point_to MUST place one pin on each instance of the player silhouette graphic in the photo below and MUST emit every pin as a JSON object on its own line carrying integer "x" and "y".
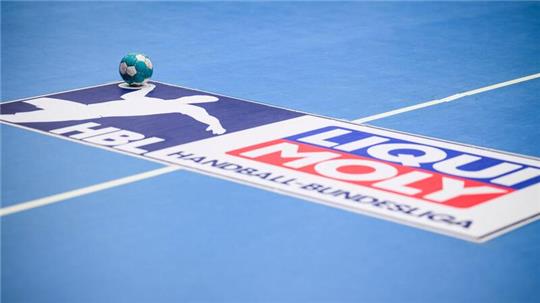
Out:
{"x": 135, "y": 103}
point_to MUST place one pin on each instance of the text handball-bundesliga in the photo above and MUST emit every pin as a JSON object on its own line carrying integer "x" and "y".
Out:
{"x": 135, "y": 69}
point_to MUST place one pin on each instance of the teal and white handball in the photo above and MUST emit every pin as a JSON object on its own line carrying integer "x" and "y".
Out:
{"x": 136, "y": 69}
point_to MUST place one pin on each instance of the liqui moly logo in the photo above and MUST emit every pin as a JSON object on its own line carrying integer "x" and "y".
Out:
{"x": 427, "y": 172}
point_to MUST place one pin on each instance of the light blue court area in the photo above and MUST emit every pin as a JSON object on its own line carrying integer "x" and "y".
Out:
{"x": 187, "y": 237}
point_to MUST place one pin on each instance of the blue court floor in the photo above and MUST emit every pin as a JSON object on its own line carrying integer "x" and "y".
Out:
{"x": 186, "y": 237}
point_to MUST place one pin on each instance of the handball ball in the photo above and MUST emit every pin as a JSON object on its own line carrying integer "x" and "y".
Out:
{"x": 136, "y": 69}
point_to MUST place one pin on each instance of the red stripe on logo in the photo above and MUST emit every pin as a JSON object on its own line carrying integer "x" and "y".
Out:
{"x": 381, "y": 175}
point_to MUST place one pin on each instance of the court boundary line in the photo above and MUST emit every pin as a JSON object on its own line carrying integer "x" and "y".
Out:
{"x": 174, "y": 167}
{"x": 447, "y": 99}
{"x": 85, "y": 190}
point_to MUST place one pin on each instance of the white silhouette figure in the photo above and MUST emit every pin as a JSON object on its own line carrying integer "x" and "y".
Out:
{"x": 134, "y": 103}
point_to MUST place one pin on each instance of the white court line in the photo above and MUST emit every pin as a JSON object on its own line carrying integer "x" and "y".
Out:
{"x": 447, "y": 99}
{"x": 85, "y": 190}
{"x": 164, "y": 170}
